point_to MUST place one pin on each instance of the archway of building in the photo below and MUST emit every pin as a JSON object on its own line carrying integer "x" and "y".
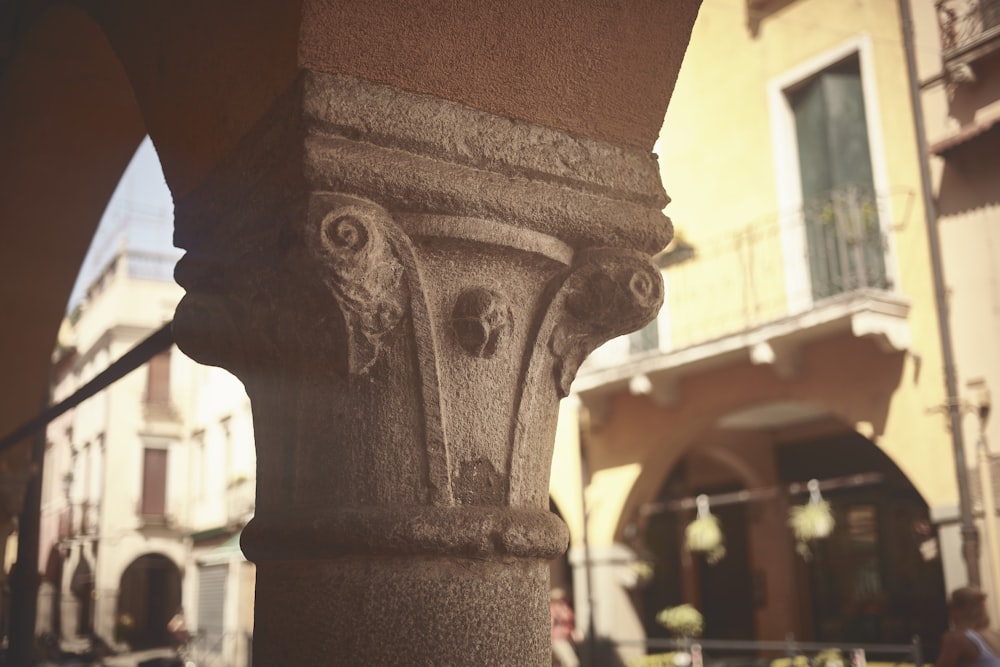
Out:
{"x": 50, "y": 593}
{"x": 149, "y": 595}
{"x": 876, "y": 579}
{"x": 81, "y": 586}
{"x": 69, "y": 124}
{"x": 76, "y": 99}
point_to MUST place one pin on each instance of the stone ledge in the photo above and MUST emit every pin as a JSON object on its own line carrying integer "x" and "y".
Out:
{"x": 878, "y": 315}
{"x": 417, "y": 154}
{"x": 447, "y": 131}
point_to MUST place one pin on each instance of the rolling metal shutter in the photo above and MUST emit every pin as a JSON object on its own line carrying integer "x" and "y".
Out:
{"x": 211, "y": 606}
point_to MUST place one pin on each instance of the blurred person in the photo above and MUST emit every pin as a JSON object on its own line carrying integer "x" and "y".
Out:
{"x": 970, "y": 642}
{"x": 177, "y": 627}
{"x": 564, "y": 632}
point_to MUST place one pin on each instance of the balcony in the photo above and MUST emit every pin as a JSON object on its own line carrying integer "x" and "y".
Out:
{"x": 969, "y": 31}
{"x": 759, "y": 292}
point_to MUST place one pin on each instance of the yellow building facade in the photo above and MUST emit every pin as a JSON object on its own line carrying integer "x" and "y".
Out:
{"x": 798, "y": 341}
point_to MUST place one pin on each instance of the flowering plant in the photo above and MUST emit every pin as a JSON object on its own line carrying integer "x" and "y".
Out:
{"x": 704, "y": 535}
{"x": 812, "y": 521}
{"x": 682, "y": 621}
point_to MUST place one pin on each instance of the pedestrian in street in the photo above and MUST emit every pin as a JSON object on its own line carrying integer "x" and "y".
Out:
{"x": 970, "y": 642}
{"x": 177, "y": 627}
{"x": 563, "y": 629}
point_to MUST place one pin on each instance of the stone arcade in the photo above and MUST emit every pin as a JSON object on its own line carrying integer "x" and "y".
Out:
{"x": 405, "y": 228}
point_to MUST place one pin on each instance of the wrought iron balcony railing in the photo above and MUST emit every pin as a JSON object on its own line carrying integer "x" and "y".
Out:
{"x": 771, "y": 270}
{"x": 967, "y": 25}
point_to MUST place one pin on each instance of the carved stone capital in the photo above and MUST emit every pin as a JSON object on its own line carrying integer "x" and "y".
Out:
{"x": 415, "y": 282}
{"x": 407, "y": 287}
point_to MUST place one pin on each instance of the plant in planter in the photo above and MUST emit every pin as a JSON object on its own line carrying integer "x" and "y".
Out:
{"x": 830, "y": 657}
{"x": 704, "y": 535}
{"x": 812, "y": 521}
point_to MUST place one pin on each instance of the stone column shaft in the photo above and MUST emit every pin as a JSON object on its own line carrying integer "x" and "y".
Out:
{"x": 406, "y": 287}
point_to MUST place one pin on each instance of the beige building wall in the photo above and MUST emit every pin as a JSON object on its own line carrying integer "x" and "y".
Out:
{"x": 960, "y": 95}
{"x": 210, "y": 477}
{"x": 729, "y": 131}
{"x": 729, "y": 161}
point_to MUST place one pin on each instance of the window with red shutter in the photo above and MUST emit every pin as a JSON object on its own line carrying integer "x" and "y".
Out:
{"x": 154, "y": 482}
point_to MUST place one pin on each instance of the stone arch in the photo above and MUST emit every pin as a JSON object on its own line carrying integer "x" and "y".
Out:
{"x": 686, "y": 434}
{"x": 69, "y": 124}
{"x": 149, "y": 594}
{"x": 50, "y": 593}
{"x": 768, "y": 446}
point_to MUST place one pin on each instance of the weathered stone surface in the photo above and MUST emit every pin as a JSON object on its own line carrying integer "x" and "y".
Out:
{"x": 407, "y": 287}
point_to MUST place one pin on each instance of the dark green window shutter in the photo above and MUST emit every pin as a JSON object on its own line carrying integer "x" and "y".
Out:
{"x": 843, "y": 235}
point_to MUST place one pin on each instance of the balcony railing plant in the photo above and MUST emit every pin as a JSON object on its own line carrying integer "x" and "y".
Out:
{"x": 966, "y": 24}
{"x": 845, "y": 242}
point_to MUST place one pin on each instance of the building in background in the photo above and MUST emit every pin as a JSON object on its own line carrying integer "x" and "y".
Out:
{"x": 798, "y": 341}
{"x": 146, "y": 485}
{"x": 958, "y": 69}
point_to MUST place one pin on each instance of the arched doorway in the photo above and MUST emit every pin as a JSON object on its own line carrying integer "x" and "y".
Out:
{"x": 50, "y": 593}
{"x": 876, "y": 579}
{"x": 81, "y": 585}
{"x": 149, "y": 594}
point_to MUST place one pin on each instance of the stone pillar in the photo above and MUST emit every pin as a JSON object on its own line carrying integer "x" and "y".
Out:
{"x": 407, "y": 286}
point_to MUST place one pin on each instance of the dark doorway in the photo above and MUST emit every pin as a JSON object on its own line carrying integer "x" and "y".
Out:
{"x": 81, "y": 585}
{"x": 878, "y": 577}
{"x": 149, "y": 596}
{"x": 663, "y": 542}
{"x": 54, "y": 577}
{"x": 726, "y": 589}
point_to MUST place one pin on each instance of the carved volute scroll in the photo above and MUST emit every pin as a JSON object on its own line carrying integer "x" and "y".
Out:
{"x": 609, "y": 293}
{"x": 365, "y": 274}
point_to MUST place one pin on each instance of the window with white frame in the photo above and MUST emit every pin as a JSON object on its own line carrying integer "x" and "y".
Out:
{"x": 840, "y": 213}
{"x": 830, "y": 173}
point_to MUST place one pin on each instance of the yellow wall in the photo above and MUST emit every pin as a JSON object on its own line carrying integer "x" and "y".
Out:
{"x": 719, "y": 164}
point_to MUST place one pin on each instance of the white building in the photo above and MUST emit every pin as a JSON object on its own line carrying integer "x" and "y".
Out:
{"x": 147, "y": 484}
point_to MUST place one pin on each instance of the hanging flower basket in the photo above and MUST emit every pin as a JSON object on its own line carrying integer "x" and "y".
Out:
{"x": 704, "y": 535}
{"x": 683, "y": 621}
{"x": 812, "y": 521}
